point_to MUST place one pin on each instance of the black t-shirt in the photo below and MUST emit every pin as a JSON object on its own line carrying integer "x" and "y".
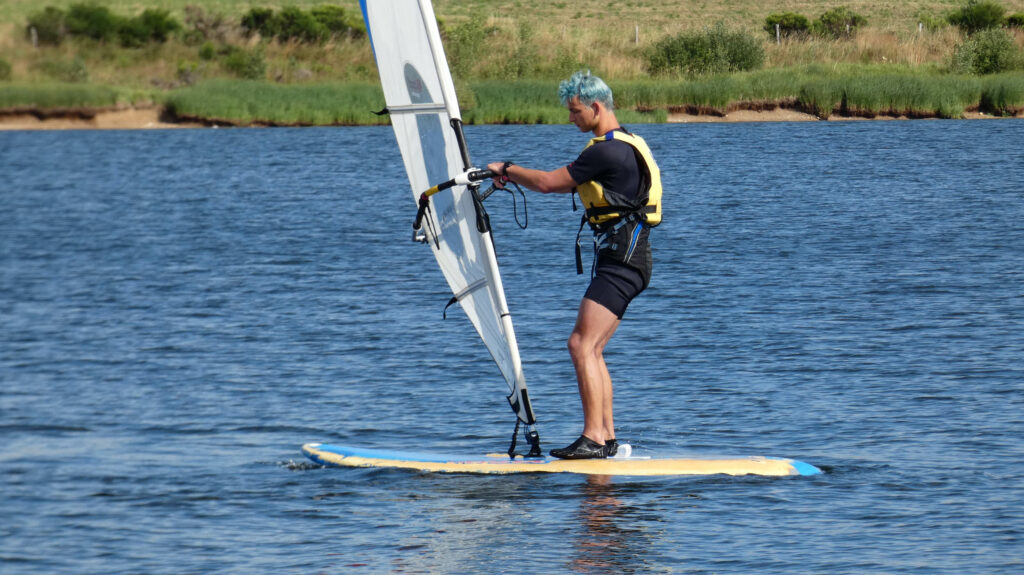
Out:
{"x": 613, "y": 164}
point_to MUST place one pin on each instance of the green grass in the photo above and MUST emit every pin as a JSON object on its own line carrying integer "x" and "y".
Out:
{"x": 850, "y": 90}
{"x": 59, "y": 95}
{"x": 1003, "y": 93}
{"x": 530, "y": 102}
{"x": 256, "y": 102}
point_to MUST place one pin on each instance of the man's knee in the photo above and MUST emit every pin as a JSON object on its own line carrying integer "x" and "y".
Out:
{"x": 575, "y": 344}
{"x": 581, "y": 347}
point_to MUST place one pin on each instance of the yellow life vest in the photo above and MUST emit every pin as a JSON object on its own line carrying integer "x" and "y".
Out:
{"x": 599, "y": 210}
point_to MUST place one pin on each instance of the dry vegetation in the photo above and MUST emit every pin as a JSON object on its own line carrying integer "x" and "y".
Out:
{"x": 608, "y": 37}
{"x": 522, "y": 40}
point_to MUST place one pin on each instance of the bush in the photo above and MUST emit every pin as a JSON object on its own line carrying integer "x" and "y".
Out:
{"x": 1015, "y": 20}
{"x": 977, "y": 16}
{"x": 790, "y": 24}
{"x": 524, "y": 59}
{"x": 5, "y": 70}
{"x": 337, "y": 21}
{"x": 294, "y": 24}
{"x": 464, "y": 45}
{"x": 49, "y": 25}
{"x": 207, "y": 51}
{"x": 246, "y": 64}
{"x": 711, "y": 51}
{"x": 158, "y": 23}
{"x": 153, "y": 25}
{"x": 838, "y": 23}
{"x": 92, "y": 21}
{"x": 987, "y": 52}
{"x": 203, "y": 25}
{"x": 261, "y": 21}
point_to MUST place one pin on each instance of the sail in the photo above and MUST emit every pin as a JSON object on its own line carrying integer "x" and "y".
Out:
{"x": 424, "y": 112}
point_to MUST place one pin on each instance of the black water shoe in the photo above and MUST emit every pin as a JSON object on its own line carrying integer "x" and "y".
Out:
{"x": 582, "y": 448}
{"x": 611, "y": 447}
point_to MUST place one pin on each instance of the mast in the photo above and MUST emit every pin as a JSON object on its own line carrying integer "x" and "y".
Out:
{"x": 414, "y": 72}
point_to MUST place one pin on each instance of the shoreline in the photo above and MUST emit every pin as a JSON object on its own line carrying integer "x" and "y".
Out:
{"x": 155, "y": 118}
{"x": 130, "y": 118}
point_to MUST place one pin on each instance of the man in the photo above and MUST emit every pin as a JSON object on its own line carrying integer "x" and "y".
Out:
{"x": 620, "y": 187}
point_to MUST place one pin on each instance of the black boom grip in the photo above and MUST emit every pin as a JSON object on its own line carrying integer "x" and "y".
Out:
{"x": 424, "y": 204}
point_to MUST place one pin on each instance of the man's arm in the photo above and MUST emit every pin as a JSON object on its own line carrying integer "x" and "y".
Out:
{"x": 556, "y": 182}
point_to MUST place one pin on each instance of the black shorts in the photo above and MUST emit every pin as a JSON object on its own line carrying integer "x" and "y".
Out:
{"x": 614, "y": 286}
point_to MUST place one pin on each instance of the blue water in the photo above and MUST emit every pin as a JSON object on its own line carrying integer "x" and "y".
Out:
{"x": 181, "y": 310}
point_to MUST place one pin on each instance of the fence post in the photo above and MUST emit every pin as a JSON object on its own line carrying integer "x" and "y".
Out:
{"x": 35, "y": 37}
{"x": 778, "y": 34}
{"x": 636, "y": 33}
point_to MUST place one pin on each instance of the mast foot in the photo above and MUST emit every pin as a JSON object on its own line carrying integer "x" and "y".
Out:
{"x": 532, "y": 437}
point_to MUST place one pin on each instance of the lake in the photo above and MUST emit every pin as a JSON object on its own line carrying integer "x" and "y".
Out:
{"x": 181, "y": 310}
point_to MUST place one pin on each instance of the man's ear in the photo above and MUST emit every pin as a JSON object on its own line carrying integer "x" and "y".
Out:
{"x": 597, "y": 109}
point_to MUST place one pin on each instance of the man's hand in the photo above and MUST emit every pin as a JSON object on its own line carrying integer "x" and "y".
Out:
{"x": 499, "y": 179}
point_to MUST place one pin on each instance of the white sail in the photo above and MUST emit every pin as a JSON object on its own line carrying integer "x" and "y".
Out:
{"x": 421, "y": 101}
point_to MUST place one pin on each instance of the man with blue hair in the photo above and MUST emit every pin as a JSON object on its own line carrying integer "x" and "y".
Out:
{"x": 619, "y": 184}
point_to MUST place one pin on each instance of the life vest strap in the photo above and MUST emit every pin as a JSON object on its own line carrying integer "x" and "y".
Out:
{"x": 579, "y": 252}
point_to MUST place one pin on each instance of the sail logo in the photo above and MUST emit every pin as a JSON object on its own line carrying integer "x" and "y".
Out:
{"x": 418, "y": 93}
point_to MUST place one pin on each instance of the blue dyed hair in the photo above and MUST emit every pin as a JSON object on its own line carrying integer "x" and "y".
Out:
{"x": 587, "y": 88}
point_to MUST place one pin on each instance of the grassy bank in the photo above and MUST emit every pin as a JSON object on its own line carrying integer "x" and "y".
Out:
{"x": 855, "y": 91}
{"x": 59, "y": 96}
{"x": 851, "y": 91}
{"x": 245, "y": 102}
{"x": 507, "y": 57}
{"x": 865, "y": 91}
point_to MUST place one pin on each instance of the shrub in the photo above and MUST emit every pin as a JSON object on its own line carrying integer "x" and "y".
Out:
{"x": 153, "y": 25}
{"x": 789, "y": 23}
{"x": 261, "y": 21}
{"x": 977, "y": 16}
{"x": 524, "y": 60}
{"x": 290, "y": 23}
{"x": 464, "y": 45}
{"x": 1015, "y": 20}
{"x": 49, "y": 26}
{"x": 132, "y": 33}
{"x": 294, "y": 24}
{"x": 159, "y": 24}
{"x": 246, "y": 64}
{"x": 207, "y": 51}
{"x": 986, "y": 52}
{"x": 92, "y": 21}
{"x": 5, "y": 70}
{"x": 337, "y": 21}
{"x": 711, "y": 51}
{"x": 838, "y": 23}
{"x": 203, "y": 25}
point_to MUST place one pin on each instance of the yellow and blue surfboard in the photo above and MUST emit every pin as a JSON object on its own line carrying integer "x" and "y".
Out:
{"x": 338, "y": 455}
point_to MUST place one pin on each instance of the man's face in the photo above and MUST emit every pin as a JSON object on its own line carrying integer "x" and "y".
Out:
{"x": 585, "y": 117}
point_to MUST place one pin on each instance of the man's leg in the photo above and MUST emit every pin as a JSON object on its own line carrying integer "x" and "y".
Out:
{"x": 595, "y": 325}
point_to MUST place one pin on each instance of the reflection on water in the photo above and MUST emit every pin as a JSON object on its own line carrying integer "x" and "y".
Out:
{"x": 605, "y": 544}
